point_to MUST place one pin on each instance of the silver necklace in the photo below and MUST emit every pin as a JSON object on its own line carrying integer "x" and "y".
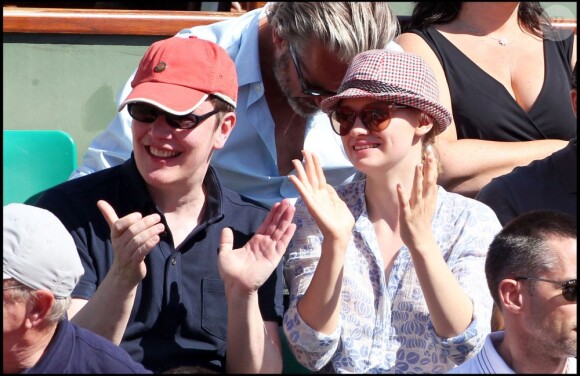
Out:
{"x": 503, "y": 41}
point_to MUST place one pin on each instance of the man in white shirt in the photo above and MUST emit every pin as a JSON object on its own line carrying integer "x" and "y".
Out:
{"x": 288, "y": 56}
{"x": 531, "y": 273}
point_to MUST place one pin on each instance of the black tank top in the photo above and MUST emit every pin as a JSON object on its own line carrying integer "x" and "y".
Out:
{"x": 484, "y": 109}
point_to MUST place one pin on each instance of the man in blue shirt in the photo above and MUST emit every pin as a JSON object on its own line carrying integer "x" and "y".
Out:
{"x": 149, "y": 230}
{"x": 41, "y": 267}
{"x": 288, "y": 56}
{"x": 531, "y": 271}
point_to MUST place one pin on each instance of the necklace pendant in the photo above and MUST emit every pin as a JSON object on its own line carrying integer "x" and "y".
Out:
{"x": 502, "y": 41}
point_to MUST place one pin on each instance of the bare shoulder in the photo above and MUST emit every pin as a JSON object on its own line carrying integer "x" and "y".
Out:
{"x": 411, "y": 42}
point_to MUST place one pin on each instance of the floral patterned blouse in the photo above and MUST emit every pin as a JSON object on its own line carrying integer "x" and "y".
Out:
{"x": 385, "y": 326}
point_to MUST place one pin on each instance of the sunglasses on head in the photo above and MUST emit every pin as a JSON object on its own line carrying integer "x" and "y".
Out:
{"x": 305, "y": 86}
{"x": 376, "y": 117}
{"x": 568, "y": 287}
{"x": 147, "y": 113}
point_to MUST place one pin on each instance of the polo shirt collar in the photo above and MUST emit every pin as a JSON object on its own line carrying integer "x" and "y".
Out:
{"x": 142, "y": 199}
{"x": 495, "y": 360}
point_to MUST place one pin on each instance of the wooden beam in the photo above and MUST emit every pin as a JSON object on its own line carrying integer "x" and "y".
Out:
{"x": 127, "y": 22}
{"x": 565, "y": 23}
{"x": 105, "y": 21}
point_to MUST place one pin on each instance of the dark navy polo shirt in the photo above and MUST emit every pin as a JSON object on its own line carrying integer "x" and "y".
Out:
{"x": 549, "y": 183}
{"x": 75, "y": 350}
{"x": 180, "y": 312}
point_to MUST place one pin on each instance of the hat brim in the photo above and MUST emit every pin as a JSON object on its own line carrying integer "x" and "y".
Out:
{"x": 175, "y": 99}
{"x": 440, "y": 115}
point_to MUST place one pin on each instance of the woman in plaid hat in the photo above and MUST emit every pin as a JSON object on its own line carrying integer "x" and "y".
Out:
{"x": 386, "y": 274}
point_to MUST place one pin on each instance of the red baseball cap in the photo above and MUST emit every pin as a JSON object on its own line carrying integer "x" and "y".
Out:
{"x": 177, "y": 74}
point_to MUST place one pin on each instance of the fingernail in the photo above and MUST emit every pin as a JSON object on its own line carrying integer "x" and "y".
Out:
{"x": 430, "y": 154}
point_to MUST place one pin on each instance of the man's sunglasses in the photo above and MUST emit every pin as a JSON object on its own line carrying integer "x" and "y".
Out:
{"x": 305, "y": 86}
{"x": 375, "y": 118}
{"x": 568, "y": 287}
{"x": 147, "y": 113}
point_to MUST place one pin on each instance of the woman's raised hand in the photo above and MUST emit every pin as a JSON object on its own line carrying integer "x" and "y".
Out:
{"x": 416, "y": 212}
{"x": 331, "y": 214}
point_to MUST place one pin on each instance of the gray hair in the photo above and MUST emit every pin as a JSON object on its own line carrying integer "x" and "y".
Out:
{"x": 345, "y": 28}
{"x": 520, "y": 249}
{"x": 57, "y": 311}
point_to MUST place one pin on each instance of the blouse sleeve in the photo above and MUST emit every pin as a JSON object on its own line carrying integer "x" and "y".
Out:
{"x": 310, "y": 347}
{"x": 468, "y": 241}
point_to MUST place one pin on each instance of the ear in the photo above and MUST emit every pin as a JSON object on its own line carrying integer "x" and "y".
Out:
{"x": 277, "y": 39}
{"x": 425, "y": 125}
{"x": 510, "y": 296}
{"x": 224, "y": 130}
{"x": 39, "y": 307}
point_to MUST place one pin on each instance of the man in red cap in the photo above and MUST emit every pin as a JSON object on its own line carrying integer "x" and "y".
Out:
{"x": 174, "y": 262}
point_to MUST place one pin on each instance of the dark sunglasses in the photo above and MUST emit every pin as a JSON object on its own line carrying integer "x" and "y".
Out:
{"x": 375, "y": 118}
{"x": 304, "y": 86}
{"x": 568, "y": 287}
{"x": 147, "y": 113}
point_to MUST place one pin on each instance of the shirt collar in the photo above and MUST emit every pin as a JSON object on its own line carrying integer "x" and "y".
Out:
{"x": 490, "y": 352}
{"x": 142, "y": 199}
{"x": 248, "y": 60}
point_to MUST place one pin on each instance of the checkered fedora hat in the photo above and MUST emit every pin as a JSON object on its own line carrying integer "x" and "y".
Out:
{"x": 398, "y": 77}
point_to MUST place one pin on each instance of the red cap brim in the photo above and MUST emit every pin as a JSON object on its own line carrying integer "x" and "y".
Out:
{"x": 175, "y": 99}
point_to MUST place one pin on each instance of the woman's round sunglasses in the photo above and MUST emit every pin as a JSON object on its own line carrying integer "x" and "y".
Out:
{"x": 376, "y": 117}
